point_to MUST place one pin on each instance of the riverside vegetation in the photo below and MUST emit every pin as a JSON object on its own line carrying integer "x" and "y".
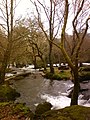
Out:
{"x": 15, "y": 111}
{"x": 84, "y": 74}
{"x": 20, "y": 111}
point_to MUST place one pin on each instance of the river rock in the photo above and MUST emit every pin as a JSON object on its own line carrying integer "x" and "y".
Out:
{"x": 75, "y": 112}
{"x": 7, "y": 93}
{"x": 42, "y": 108}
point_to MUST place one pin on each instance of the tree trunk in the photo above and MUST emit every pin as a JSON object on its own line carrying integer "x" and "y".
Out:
{"x": 2, "y": 73}
{"x": 44, "y": 63}
{"x": 44, "y": 66}
{"x": 34, "y": 62}
{"x": 4, "y": 66}
{"x": 9, "y": 38}
{"x": 74, "y": 98}
{"x": 50, "y": 58}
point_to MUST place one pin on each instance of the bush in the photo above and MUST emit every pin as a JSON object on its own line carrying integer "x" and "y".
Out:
{"x": 48, "y": 75}
{"x": 20, "y": 107}
{"x": 58, "y": 76}
{"x": 15, "y": 111}
{"x": 85, "y": 69}
{"x": 84, "y": 73}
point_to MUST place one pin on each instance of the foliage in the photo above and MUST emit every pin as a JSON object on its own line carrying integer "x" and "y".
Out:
{"x": 84, "y": 73}
{"x": 15, "y": 111}
{"x": 84, "y": 69}
{"x": 62, "y": 75}
{"x": 4, "y": 103}
{"x": 20, "y": 107}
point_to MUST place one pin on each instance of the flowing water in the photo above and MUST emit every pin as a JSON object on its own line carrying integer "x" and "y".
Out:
{"x": 35, "y": 89}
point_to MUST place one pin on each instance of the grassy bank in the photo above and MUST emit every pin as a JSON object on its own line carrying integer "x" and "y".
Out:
{"x": 58, "y": 75}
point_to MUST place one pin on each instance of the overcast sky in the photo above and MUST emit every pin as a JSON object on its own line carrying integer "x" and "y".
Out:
{"x": 23, "y": 6}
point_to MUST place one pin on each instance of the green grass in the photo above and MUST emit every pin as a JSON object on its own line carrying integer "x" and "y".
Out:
{"x": 58, "y": 75}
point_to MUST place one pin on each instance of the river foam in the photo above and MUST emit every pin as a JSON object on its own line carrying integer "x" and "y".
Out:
{"x": 62, "y": 101}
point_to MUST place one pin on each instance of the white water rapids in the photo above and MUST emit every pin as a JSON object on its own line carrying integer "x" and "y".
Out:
{"x": 35, "y": 89}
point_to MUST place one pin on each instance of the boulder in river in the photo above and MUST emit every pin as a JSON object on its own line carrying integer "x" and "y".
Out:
{"x": 42, "y": 108}
{"x": 75, "y": 112}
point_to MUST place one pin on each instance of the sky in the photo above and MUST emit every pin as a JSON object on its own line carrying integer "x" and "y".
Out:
{"x": 25, "y": 7}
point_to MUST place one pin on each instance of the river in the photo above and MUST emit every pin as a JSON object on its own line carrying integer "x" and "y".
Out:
{"x": 35, "y": 89}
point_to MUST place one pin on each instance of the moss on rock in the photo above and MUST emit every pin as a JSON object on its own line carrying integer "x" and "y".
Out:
{"x": 68, "y": 113}
{"x": 42, "y": 108}
{"x": 7, "y": 93}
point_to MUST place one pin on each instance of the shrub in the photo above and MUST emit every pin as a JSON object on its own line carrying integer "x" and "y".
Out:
{"x": 20, "y": 107}
{"x": 58, "y": 76}
{"x": 84, "y": 73}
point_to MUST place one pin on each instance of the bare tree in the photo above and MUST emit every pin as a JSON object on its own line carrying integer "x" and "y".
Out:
{"x": 79, "y": 23}
{"x": 74, "y": 63}
{"x": 19, "y": 44}
{"x": 51, "y": 13}
{"x": 37, "y": 42}
{"x": 7, "y": 16}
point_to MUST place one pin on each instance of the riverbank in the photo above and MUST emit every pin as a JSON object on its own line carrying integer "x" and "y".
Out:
{"x": 35, "y": 89}
{"x": 12, "y": 111}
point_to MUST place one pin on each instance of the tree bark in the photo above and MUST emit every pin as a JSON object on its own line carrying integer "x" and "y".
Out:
{"x": 74, "y": 98}
{"x": 50, "y": 58}
{"x": 4, "y": 64}
{"x": 9, "y": 38}
{"x": 34, "y": 62}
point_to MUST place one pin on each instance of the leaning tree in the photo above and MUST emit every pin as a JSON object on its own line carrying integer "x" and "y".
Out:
{"x": 80, "y": 11}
